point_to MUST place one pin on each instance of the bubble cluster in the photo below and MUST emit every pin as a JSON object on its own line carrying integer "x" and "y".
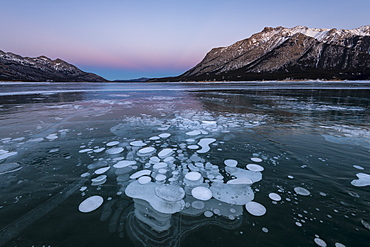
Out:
{"x": 170, "y": 176}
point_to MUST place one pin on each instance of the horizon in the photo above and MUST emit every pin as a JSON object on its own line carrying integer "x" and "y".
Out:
{"x": 165, "y": 39}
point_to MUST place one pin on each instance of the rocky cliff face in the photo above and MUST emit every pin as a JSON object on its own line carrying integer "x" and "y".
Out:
{"x": 17, "y": 68}
{"x": 294, "y": 53}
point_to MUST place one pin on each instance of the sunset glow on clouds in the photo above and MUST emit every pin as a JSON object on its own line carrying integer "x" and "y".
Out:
{"x": 120, "y": 39}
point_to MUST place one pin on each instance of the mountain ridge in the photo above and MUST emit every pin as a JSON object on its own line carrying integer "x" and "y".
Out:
{"x": 14, "y": 67}
{"x": 288, "y": 53}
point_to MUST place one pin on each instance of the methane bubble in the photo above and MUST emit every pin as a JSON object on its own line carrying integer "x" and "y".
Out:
{"x": 90, "y": 204}
{"x": 255, "y": 208}
{"x": 302, "y": 191}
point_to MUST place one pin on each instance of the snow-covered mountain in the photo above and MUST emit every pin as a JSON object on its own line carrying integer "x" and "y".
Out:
{"x": 17, "y": 68}
{"x": 295, "y": 53}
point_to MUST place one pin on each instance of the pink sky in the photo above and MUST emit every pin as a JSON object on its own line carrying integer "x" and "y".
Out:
{"x": 124, "y": 40}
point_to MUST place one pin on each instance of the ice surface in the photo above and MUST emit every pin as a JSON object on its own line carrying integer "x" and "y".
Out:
{"x": 6, "y": 155}
{"x": 54, "y": 150}
{"x": 255, "y": 208}
{"x": 201, "y": 193}
{"x": 349, "y": 135}
{"x": 90, "y": 204}
{"x": 362, "y": 181}
{"x": 9, "y": 167}
{"x": 40, "y": 139}
{"x": 302, "y": 191}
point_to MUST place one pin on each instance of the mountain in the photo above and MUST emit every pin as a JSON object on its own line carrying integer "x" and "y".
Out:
{"x": 142, "y": 79}
{"x": 17, "y": 68}
{"x": 288, "y": 53}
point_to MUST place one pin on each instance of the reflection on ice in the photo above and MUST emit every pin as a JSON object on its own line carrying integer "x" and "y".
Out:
{"x": 349, "y": 135}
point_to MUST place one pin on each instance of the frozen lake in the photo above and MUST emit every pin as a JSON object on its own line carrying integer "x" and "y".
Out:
{"x": 185, "y": 164}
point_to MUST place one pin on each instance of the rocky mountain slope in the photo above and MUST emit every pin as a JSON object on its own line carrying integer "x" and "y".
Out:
{"x": 289, "y": 53}
{"x": 17, "y": 68}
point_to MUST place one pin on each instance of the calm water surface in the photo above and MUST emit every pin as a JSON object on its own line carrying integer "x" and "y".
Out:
{"x": 309, "y": 143}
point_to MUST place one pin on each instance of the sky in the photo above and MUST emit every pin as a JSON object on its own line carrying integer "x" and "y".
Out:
{"x": 120, "y": 39}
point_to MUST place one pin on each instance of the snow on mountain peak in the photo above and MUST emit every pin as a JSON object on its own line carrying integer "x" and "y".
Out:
{"x": 320, "y": 34}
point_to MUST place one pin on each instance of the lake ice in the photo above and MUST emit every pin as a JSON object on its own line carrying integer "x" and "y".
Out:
{"x": 183, "y": 164}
